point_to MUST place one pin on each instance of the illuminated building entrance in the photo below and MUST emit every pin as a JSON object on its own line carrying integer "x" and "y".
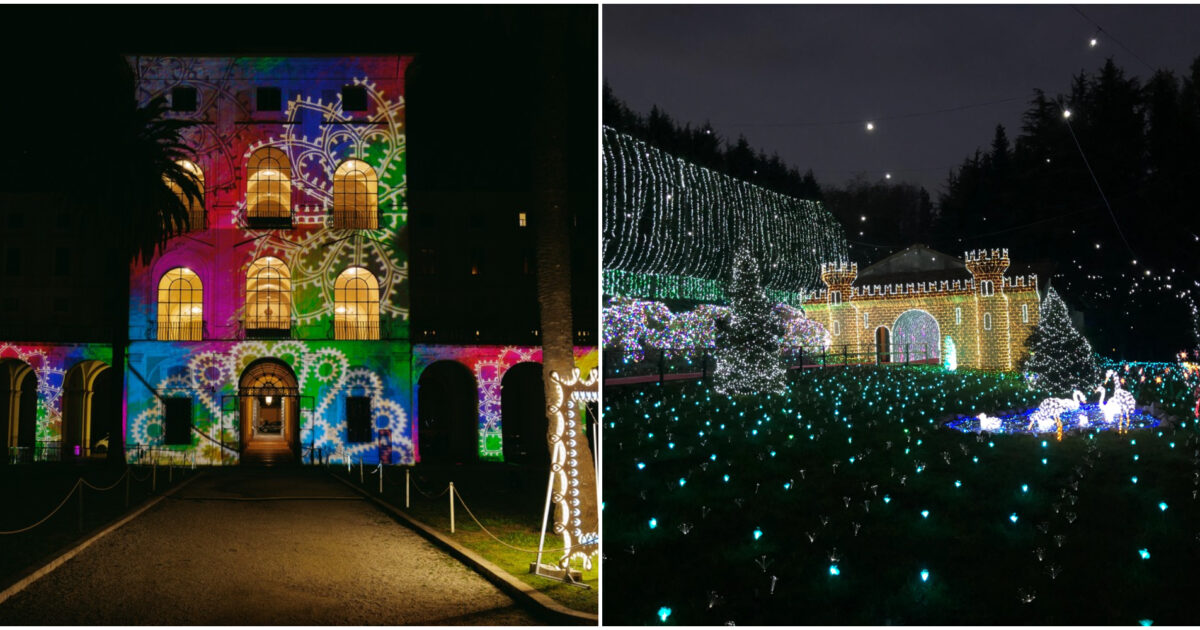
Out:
{"x": 269, "y": 413}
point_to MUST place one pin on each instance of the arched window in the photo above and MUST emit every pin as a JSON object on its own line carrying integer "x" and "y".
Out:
{"x": 269, "y": 189}
{"x": 195, "y": 207}
{"x": 268, "y": 298}
{"x": 355, "y": 196}
{"x": 987, "y": 321}
{"x": 356, "y": 305}
{"x": 986, "y": 288}
{"x": 180, "y": 306}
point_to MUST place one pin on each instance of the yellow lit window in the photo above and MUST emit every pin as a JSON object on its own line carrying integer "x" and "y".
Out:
{"x": 356, "y": 305}
{"x": 268, "y": 298}
{"x": 521, "y": 221}
{"x": 195, "y": 207}
{"x": 180, "y": 306}
{"x": 355, "y": 196}
{"x": 269, "y": 189}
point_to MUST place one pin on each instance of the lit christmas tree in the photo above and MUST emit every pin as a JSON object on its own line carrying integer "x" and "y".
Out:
{"x": 748, "y": 348}
{"x": 1060, "y": 358}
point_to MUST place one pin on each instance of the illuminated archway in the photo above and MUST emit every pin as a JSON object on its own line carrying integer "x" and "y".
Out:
{"x": 355, "y": 196}
{"x": 523, "y": 415}
{"x": 916, "y": 337}
{"x": 269, "y": 406}
{"x": 447, "y": 414}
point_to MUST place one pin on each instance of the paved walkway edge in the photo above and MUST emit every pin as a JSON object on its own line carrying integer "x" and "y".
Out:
{"x": 502, "y": 579}
{"x": 24, "y": 582}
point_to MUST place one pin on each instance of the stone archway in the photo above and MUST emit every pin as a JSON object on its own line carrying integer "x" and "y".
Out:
{"x": 916, "y": 336}
{"x": 86, "y": 409}
{"x": 18, "y": 407}
{"x": 523, "y": 415}
{"x": 269, "y": 413}
{"x": 447, "y": 414}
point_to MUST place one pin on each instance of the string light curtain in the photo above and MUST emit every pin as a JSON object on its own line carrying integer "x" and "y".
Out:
{"x": 268, "y": 298}
{"x": 195, "y": 207}
{"x": 180, "y": 306}
{"x": 355, "y": 196}
{"x": 269, "y": 189}
{"x": 356, "y": 305}
{"x": 663, "y": 215}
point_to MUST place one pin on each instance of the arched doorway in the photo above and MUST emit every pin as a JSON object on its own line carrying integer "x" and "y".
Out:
{"x": 523, "y": 415}
{"x": 18, "y": 399}
{"x": 447, "y": 414}
{"x": 916, "y": 337}
{"x": 86, "y": 409}
{"x": 269, "y": 413}
{"x": 882, "y": 345}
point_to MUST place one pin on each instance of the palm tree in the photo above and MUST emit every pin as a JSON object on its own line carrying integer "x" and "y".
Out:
{"x": 553, "y": 246}
{"x": 127, "y": 197}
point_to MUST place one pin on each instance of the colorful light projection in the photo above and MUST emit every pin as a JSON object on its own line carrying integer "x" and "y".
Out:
{"x": 489, "y": 364}
{"x": 326, "y": 372}
{"x": 314, "y": 136}
{"x": 663, "y": 215}
{"x": 49, "y": 364}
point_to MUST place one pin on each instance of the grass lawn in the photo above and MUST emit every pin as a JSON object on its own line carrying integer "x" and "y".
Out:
{"x": 508, "y": 500}
{"x": 825, "y": 505}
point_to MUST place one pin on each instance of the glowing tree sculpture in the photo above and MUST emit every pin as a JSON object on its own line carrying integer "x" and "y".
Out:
{"x": 1060, "y": 358}
{"x": 748, "y": 349}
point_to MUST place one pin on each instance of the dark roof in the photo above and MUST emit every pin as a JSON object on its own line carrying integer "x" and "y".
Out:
{"x": 916, "y": 263}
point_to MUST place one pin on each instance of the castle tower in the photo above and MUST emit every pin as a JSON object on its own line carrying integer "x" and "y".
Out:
{"x": 993, "y": 329}
{"x": 839, "y": 277}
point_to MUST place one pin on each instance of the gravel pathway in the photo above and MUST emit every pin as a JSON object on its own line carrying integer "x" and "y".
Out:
{"x": 205, "y": 557}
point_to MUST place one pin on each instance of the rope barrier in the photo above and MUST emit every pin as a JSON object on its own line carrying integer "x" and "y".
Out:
{"x": 489, "y": 533}
{"x": 426, "y": 494}
{"x": 329, "y": 498}
{"x": 60, "y": 505}
{"x": 140, "y": 479}
{"x": 99, "y": 489}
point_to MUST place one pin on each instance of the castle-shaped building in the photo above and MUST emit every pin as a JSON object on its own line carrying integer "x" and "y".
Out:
{"x": 908, "y": 306}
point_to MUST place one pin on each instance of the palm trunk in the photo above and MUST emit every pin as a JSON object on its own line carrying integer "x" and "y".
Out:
{"x": 554, "y": 260}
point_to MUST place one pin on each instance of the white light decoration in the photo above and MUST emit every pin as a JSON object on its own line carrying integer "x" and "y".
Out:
{"x": 870, "y": 126}
{"x": 579, "y": 528}
{"x": 696, "y": 232}
{"x": 1060, "y": 359}
{"x": 748, "y": 353}
{"x": 950, "y": 360}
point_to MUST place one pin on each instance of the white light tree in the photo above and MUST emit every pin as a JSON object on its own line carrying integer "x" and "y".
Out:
{"x": 747, "y": 353}
{"x": 1060, "y": 358}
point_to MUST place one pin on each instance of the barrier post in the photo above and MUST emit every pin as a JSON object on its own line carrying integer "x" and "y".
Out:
{"x": 360, "y": 472}
{"x": 154, "y": 476}
{"x": 451, "y": 507}
{"x": 170, "y": 473}
{"x": 406, "y": 475}
{"x": 79, "y": 486}
{"x": 381, "y": 479}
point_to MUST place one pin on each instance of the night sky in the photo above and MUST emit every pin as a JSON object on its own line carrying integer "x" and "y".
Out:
{"x": 803, "y": 80}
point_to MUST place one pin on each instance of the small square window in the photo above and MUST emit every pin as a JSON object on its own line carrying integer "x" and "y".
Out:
{"x": 477, "y": 262}
{"x": 183, "y": 99}
{"x": 268, "y": 99}
{"x": 354, "y": 98}
{"x": 521, "y": 220}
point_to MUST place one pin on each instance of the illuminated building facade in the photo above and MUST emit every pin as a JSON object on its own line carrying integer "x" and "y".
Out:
{"x": 905, "y": 307}
{"x": 278, "y": 328}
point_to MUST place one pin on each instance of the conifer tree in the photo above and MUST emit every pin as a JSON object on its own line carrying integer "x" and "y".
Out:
{"x": 1060, "y": 358}
{"x": 748, "y": 349}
